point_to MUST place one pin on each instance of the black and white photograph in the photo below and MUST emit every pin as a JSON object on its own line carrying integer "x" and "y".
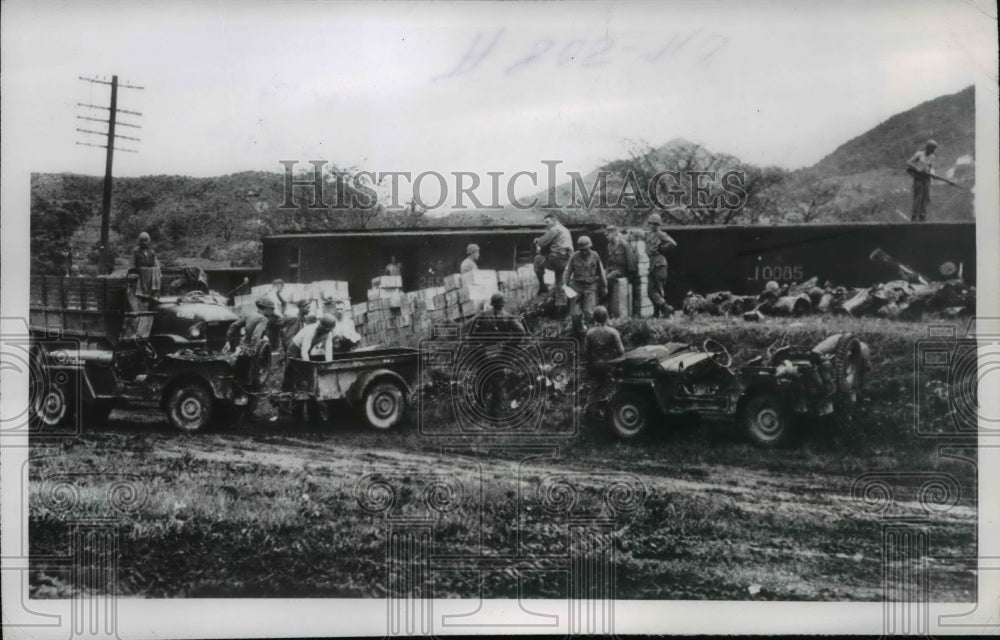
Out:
{"x": 449, "y": 318}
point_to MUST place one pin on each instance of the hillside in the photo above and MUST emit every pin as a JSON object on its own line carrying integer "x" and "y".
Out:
{"x": 951, "y": 120}
{"x": 868, "y": 172}
{"x": 219, "y": 221}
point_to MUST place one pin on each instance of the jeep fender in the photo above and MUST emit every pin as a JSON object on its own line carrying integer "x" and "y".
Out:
{"x": 357, "y": 391}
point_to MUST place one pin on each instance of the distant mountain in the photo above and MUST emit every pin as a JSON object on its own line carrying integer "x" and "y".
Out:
{"x": 868, "y": 172}
{"x": 950, "y": 120}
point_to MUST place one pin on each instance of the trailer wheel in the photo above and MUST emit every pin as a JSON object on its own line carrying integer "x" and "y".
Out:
{"x": 765, "y": 420}
{"x": 189, "y": 407}
{"x": 630, "y": 415}
{"x": 384, "y": 405}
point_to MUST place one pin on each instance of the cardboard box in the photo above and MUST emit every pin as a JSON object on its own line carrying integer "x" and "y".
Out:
{"x": 480, "y": 277}
{"x": 452, "y": 282}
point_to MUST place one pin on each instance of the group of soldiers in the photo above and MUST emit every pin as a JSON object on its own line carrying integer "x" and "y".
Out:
{"x": 601, "y": 344}
{"x": 302, "y": 336}
{"x": 584, "y": 273}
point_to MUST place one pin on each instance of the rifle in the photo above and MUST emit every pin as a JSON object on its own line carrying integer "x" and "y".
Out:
{"x": 915, "y": 173}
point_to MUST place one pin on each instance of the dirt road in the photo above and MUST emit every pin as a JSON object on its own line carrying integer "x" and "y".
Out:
{"x": 689, "y": 520}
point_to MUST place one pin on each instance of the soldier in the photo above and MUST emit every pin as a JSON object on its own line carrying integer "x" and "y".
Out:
{"x": 657, "y": 243}
{"x": 254, "y": 327}
{"x": 921, "y": 167}
{"x": 74, "y": 272}
{"x": 603, "y": 343}
{"x": 495, "y": 321}
{"x": 553, "y": 249}
{"x": 394, "y": 268}
{"x": 495, "y": 355}
{"x": 622, "y": 263}
{"x": 192, "y": 279}
{"x": 345, "y": 333}
{"x": 585, "y": 275}
{"x": 290, "y": 327}
{"x": 254, "y": 340}
{"x": 147, "y": 266}
{"x": 472, "y": 258}
{"x": 315, "y": 341}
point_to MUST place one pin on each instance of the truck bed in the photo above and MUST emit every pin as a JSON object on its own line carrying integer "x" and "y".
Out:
{"x": 89, "y": 307}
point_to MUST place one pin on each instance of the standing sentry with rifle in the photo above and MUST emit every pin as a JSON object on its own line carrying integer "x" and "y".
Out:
{"x": 921, "y": 167}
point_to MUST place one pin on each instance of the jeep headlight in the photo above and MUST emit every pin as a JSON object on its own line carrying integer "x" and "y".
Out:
{"x": 195, "y": 331}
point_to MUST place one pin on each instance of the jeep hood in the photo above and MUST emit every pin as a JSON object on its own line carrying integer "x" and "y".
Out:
{"x": 649, "y": 354}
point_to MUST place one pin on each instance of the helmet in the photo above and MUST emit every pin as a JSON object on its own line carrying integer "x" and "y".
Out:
{"x": 610, "y": 229}
{"x": 497, "y": 300}
{"x": 265, "y": 303}
{"x": 304, "y": 304}
{"x": 654, "y": 219}
{"x": 327, "y": 321}
{"x": 144, "y": 238}
{"x": 772, "y": 287}
{"x": 278, "y": 282}
{"x": 600, "y": 315}
{"x": 584, "y": 242}
{"x": 471, "y": 249}
{"x": 932, "y": 143}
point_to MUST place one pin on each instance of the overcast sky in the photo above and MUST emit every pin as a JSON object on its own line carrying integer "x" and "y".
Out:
{"x": 233, "y": 86}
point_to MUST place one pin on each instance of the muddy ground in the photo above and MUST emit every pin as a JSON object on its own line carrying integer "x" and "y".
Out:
{"x": 276, "y": 508}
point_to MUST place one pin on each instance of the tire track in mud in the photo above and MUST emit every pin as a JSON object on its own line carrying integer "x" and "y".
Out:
{"x": 810, "y": 496}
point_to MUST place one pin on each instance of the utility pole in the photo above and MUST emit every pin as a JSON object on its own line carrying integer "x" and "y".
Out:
{"x": 106, "y": 264}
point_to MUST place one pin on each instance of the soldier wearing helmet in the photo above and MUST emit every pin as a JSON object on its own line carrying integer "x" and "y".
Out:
{"x": 147, "y": 266}
{"x": 471, "y": 259}
{"x": 622, "y": 263}
{"x": 315, "y": 342}
{"x": 553, "y": 250}
{"x": 254, "y": 327}
{"x": 921, "y": 167}
{"x": 496, "y": 334}
{"x": 603, "y": 343}
{"x": 495, "y": 321}
{"x": 585, "y": 275}
{"x": 657, "y": 244}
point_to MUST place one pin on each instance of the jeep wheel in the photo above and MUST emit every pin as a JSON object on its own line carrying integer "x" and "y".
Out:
{"x": 765, "y": 420}
{"x": 850, "y": 368}
{"x": 384, "y": 405}
{"x": 189, "y": 407}
{"x": 629, "y": 413}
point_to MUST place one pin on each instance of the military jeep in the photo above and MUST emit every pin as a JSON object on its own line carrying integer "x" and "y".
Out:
{"x": 766, "y": 396}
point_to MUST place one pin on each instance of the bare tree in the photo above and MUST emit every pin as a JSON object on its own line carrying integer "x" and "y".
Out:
{"x": 686, "y": 184}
